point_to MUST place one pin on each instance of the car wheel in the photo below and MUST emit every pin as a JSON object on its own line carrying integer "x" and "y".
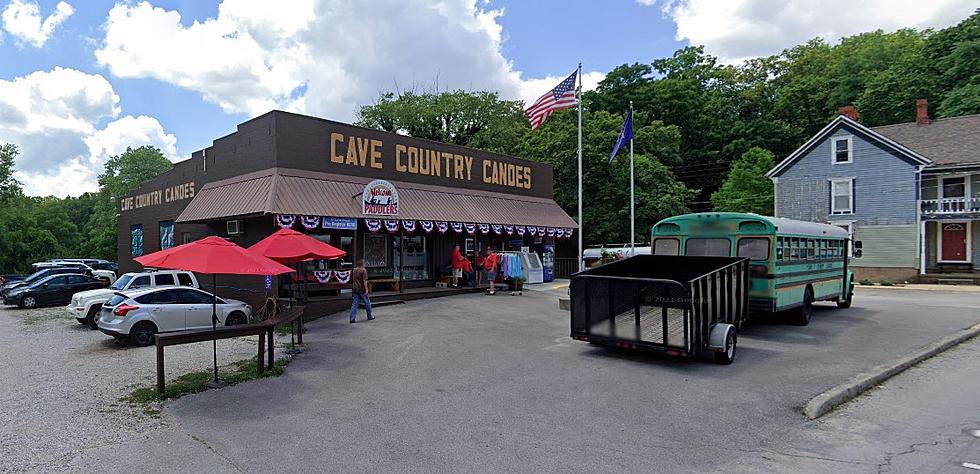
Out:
{"x": 726, "y": 356}
{"x": 28, "y": 302}
{"x": 803, "y": 313}
{"x": 236, "y": 318}
{"x": 92, "y": 319}
{"x": 81, "y": 320}
{"x": 847, "y": 301}
{"x": 142, "y": 333}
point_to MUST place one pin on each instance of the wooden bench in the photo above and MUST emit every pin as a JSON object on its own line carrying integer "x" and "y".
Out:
{"x": 394, "y": 283}
{"x": 264, "y": 329}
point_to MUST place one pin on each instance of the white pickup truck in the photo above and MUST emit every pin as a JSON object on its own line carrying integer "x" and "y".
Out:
{"x": 85, "y": 305}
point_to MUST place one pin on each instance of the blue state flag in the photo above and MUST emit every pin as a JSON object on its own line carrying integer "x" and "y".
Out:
{"x": 624, "y": 137}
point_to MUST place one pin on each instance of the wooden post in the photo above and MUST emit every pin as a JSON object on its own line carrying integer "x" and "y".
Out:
{"x": 299, "y": 337}
{"x": 272, "y": 347}
{"x": 401, "y": 261}
{"x": 161, "y": 376}
{"x": 261, "y": 359}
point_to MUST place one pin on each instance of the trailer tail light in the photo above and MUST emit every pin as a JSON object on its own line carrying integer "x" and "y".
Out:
{"x": 758, "y": 270}
{"x": 582, "y": 338}
{"x": 123, "y": 309}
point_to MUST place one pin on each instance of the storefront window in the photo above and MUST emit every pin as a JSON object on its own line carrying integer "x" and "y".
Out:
{"x": 376, "y": 255}
{"x": 136, "y": 239}
{"x": 166, "y": 235}
{"x": 416, "y": 264}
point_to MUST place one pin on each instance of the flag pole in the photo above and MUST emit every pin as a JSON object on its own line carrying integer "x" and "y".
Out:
{"x": 581, "y": 227}
{"x": 632, "y": 194}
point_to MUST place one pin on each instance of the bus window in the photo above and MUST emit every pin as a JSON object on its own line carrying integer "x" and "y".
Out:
{"x": 809, "y": 248}
{"x": 666, "y": 246}
{"x": 756, "y": 248}
{"x": 709, "y": 247}
{"x": 779, "y": 248}
{"x": 794, "y": 248}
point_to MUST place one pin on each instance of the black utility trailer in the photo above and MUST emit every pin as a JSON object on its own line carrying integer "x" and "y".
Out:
{"x": 678, "y": 305}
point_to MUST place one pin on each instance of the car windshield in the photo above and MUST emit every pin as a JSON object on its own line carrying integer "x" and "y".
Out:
{"x": 34, "y": 276}
{"x": 121, "y": 282}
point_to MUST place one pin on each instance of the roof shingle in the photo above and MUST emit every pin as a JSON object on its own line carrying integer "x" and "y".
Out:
{"x": 948, "y": 141}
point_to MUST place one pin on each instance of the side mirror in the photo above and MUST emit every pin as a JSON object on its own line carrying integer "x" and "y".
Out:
{"x": 857, "y": 244}
{"x": 857, "y": 253}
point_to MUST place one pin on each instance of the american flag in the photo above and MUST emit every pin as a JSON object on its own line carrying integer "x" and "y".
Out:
{"x": 561, "y": 97}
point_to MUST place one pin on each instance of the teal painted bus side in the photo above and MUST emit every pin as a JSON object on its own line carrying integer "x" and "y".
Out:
{"x": 813, "y": 255}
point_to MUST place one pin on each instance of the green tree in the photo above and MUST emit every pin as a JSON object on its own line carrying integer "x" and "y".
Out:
{"x": 963, "y": 100}
{"x": 9, "y": 186}
{"x": 747, "y": 189}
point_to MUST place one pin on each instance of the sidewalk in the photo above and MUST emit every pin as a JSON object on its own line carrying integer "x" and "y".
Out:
{"x": 911, "y": 286}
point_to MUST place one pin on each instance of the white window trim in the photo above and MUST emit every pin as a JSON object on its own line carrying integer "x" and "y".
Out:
{"x": 941, "y": 191}
{"x": 833, "y": 149}
{"x": 969, "y": 242}
{"x": 850, "y": 192}
{"x": 850, "y": 235}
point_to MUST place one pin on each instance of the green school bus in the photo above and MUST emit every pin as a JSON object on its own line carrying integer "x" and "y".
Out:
{"x": 792, "y": 263}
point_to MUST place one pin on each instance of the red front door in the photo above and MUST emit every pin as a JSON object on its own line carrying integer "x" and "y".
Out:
{"x": 954, "y": 242}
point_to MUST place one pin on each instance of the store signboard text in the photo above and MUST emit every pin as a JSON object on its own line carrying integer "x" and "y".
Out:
{"x": 366, "y": 152}
{"x": 159, "y": 196}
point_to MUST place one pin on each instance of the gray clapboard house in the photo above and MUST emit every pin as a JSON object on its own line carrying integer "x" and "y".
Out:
{"x": 909, "y": 194}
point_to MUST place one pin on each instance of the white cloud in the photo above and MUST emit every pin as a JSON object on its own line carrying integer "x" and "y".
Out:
{"x": 322, "y": 57}
{"x": 54, "y": 118}
{"x": 735, "y": 30}
{"x": 23, "y": 20}
{"x": 532, "y": 89}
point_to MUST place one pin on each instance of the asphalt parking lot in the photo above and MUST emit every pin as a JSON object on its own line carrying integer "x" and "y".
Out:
{"x": 476, "y": 383}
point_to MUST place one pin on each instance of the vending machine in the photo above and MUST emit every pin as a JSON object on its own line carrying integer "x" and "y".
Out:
{"x": 548, "y": 262}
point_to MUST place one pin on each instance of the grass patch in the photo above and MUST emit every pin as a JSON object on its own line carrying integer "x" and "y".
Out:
{"x": 887, "y": 283}
{"x": 284, "y": 329}
{"x": 866, "y": 282}
{"x": 196, "y": 382}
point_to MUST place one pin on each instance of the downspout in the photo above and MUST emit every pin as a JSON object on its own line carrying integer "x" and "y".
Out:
{"x": 775, "y": 196}
{"x": 920, "y": 224}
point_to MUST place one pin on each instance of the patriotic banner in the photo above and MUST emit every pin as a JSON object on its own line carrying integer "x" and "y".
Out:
{"x": 285, "y": 221}
{"x": 373, "y": 225}
{"x": 532, "y": 230}
{"x": 457, "y": 226}
{"x": 470, "y": 228}
{"x": 342, "y": 277}
{"x": 551, "y": 231}
{"x": 310, "y": 222}
{"x": 391, "y": 225}
{"x": 409, "y": 226}
{"x": 560, "y": 233}
{"x": 442, "y": 226}
{"x": 509, "y": 229}
{"x": 484, "y": 228}
{"x": 323, "y": 276}
{"x": 568, "y": 232}
{"x": 497, "y": 228}
{"x": 520, "y": 230}
{"x": 427, "y": 226}
{"x": 540, "y": 231}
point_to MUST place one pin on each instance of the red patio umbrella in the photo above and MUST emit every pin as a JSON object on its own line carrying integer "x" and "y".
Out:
{"x": 213, "y": 255}
{"x": 288, "y": 245}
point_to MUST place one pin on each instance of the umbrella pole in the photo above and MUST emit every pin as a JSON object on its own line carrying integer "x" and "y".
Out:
{"x": 292, "y": 331}
{"x": 216, "y": 382}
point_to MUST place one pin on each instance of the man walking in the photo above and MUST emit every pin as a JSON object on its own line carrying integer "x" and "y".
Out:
{"x": 359, "y": 290}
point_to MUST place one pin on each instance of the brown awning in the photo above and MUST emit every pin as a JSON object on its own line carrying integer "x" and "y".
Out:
{"x": 287, "y": 191}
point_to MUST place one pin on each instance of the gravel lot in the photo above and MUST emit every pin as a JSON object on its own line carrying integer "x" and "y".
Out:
{"x": 62, "y": 383}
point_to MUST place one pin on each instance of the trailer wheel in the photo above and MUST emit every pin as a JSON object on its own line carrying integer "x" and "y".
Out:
{"x": 803, "y": 314}
{"x": 727, "y": 355}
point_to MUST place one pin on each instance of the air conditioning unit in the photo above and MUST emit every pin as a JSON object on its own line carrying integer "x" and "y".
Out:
{"x": 235, "y": 227}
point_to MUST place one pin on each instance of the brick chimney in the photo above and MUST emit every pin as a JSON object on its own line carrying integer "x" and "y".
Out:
{"x": 922, "y": 112}
{"x": 849, "y": 111}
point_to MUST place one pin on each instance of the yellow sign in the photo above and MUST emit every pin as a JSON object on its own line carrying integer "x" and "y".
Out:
{"x": 159, "y": 196}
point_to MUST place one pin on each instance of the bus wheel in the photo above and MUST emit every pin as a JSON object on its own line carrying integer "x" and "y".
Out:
{"x": 803, "y": 314}
{"x": 847, "y": 301}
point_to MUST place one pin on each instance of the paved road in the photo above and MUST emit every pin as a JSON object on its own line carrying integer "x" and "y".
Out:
{"x": 477, "y": 383}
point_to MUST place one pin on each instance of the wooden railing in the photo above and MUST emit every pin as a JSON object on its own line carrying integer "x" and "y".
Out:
{"x": 949, "y": 206}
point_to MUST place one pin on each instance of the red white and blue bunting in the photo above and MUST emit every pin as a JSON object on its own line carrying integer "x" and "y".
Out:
{"x": 310, "y": 222}
{"x": 520, "y": 230}
{"x": 323, "y": 276}
{"x": 484, "y": 228}
{"x": 285, "y": 221}
{"x": 509, "y": 229}
{"x": 457, "y": 226}
{"x": 497, "y": 228}
{"x": 373, "y": 225}
{"x": 532, "y": 230}
{"x": 342, "y": 277}
{"x": 541, "y": 231}
{"x": 409, "y": 226}
{"x": 391, "y": 225}
{"x": 442, "y": 226}
{"x": 551, "y": 231}
{"x": 470, "y": 228}
{"x": 427, "y": 226}
{"x": 326, "y": 276}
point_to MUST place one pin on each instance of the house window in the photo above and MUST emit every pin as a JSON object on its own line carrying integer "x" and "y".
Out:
{"x": 185, "y": 238}
{"x": 166, "y": 234}
{"x": 842, "y": 196}
{"x": 954, "y": 187}
{"x": 136, "y": 239}
{"x": 841, "y": 150}
{"x": 930, "y": 188}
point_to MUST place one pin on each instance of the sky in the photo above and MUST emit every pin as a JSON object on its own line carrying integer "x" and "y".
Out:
{"x": 82, "y": 80}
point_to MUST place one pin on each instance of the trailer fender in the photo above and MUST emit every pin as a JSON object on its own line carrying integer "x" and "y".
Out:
{"x": 719, "y": 333}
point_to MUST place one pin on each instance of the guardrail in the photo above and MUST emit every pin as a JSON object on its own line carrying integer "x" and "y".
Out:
{"x": 264, "y": 330}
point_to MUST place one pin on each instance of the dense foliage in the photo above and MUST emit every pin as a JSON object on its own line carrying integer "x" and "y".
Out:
{"x": 38, "y": 228}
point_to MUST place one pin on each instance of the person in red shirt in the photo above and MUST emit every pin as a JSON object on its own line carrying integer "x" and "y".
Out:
{"x": 478, "y": 266}
{"x": 457, "y": 265}
{"x": 491, "y": 263}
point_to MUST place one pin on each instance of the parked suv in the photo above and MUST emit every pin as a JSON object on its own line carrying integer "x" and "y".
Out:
{"x": 108, "y": 275}
{"x": 51, "y": 290}
{"x": 85, "y": 306}
{"x": 139, "y": 315}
